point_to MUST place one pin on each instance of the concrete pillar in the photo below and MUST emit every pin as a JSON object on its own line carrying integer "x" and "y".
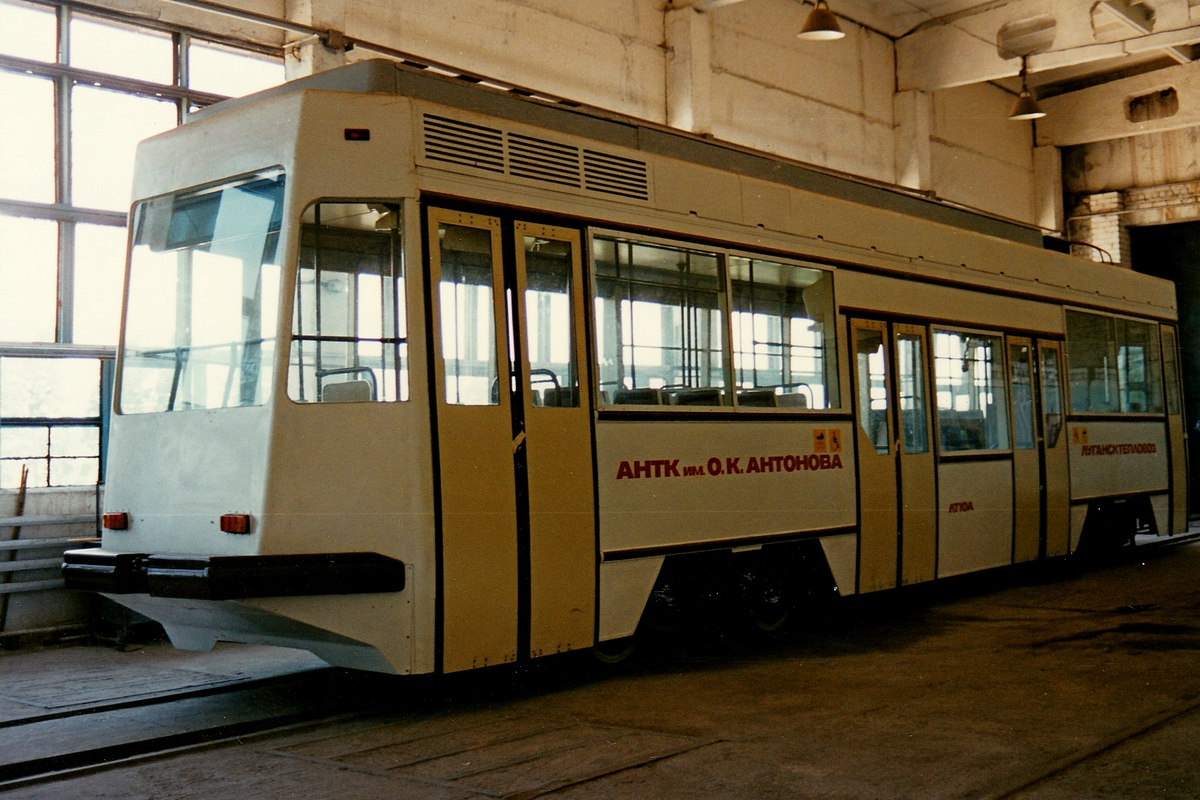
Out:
{"x": 914, "y": 125}
{"x": 307, "y": 54}
{"x": 1048, "y": 188}
{"x": 689, "y": 70}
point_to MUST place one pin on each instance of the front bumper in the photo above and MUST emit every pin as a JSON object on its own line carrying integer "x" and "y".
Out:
{"x": 231, "y": 577}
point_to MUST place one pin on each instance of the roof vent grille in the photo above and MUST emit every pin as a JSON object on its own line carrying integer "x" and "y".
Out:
{"x": 610, "y": 174}
{"x": 541, "y": 160}
{"x": 458, "y": 142}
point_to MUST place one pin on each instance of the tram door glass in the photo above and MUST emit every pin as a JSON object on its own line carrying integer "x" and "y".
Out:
{"x": 349, "y": 332}
{"x": 871, "y": 367}
{"x": 1052, "y": 404}
{"x": 910, "y": 374}
{"x": 467, "y": 302}
{"x": 1022, "y": 390}
{"x": 553, "y": 379}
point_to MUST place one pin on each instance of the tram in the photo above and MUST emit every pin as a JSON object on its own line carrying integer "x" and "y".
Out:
{"x": 423, "y": 376}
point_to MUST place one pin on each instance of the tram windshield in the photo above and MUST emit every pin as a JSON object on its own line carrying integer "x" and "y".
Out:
{"x": 203, "y": 304}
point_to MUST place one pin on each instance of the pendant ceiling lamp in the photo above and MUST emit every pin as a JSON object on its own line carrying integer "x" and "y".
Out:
{"x": 821, "y": 25}
{"x": 1025, "y": 107}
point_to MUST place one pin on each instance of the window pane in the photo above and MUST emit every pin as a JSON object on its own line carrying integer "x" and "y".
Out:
{"x": 468, "y": 316}
{"x": 549, "y": 323}
{"x": 10, "y": 473}
{"x": 203, "y": 298}
{"x": 73, "y": 441}
{"x": 121, "y": 50}
{"x": 871, "y": 380}
{"x": 970, "y": 391}
{"x": 24, "y": 442}
{"x": 660, "y": 331}
{"x": 105, "y": 129}
{"x": 1022, "y": 389}
{"x": 99, "y": 270}
{"x": 26, "y": 136}
{"x": 1115, "y": 364}
{"x": 222, "y": 70}
{"x": 910, "y": 369}
{"x": 49, "y": 387}
{"x": 31, "y": 32}
{"x": 74, "y": 471}
{"x": 28, "y": 279}
{"x": 783, "y": 346}
{"x": 349, "y": 329}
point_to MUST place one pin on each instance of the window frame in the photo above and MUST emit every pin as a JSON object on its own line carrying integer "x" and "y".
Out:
{"x": 1065, "y": 378}
{"x": 1001, "y": 338}
{"x": 835, "y": 396}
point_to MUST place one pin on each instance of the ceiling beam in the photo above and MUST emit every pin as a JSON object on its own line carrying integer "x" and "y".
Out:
{"x": 1103, "y": 112}
{"x": 946, "y": 56}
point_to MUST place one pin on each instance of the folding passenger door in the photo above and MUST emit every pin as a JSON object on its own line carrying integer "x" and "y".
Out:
{"x": 1056, "y": 486}
{"x": 1176, "y": 434}
{"x": 897, "y": 493}
{"x": 514, "y": 455}
{"x": 474, "y": 445}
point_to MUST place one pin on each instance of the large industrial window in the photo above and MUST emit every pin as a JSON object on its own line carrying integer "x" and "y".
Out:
{"x": 1115, "y": 363}
{"x": 81, "y": 88}
{"x": 349, "y": 331}
{"x": 972, "y": 407}
{"x": 783, "y": 348}
{"x": 659, "y": 324}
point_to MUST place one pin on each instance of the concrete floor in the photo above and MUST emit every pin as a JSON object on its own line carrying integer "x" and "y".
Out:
{"x": 1083, "y": 683}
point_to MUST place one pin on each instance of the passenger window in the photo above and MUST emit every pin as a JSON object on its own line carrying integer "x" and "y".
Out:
{"x": 1115, "y": 364}
{"x": 783, "y": 329}
{"x": 658, "y": 325}
{"x": 549, "y": 329}
{"x": 349, "y": 327}
{"x": 970, "y": 391}
{"x": 1022, "y": 389}
{"x": 871, "y": 366}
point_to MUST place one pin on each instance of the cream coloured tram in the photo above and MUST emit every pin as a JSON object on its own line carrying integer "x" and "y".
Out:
{"x": 423, "y": 377}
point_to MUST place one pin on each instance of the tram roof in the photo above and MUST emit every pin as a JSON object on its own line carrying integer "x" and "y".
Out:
{"x": 389, "y": 77}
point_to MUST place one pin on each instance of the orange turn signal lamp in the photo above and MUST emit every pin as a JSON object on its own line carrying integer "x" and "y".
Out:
{"x": 235, "y": 523}
{"x": 115, "y": 521}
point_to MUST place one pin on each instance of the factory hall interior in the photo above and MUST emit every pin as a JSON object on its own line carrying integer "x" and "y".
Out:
{"x": 509, "y": 399}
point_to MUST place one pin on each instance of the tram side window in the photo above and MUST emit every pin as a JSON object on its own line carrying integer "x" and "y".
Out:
{"x": 1115, "y": 364}
{"x": 969, "y": 369}
{"x": 658, "y": 325}
{"x": 349, "y": 328}
{"x": 783, "y": 334}
{"x": 203, "y": 298}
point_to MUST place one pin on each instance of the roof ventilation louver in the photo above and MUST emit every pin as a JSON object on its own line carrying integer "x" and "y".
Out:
{"x": 540, "y": 160}
{"x": 458, "y": 142}
{"x": 609, "y": 174}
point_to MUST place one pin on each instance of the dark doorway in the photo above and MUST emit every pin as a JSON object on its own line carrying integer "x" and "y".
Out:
{"x": 1173, "y": 252}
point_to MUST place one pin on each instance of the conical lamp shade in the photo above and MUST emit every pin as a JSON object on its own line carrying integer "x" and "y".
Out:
{"x": 821, "y": 25}
{"x": 1026, "y": 107}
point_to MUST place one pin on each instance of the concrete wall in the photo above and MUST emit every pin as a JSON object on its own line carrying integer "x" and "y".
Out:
{"x": 50, "y": 608}
{"x": 979, "y": 157}
{"x": 825, "y": 103}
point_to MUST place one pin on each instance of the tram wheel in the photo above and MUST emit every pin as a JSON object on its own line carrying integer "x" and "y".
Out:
{"x": 614, "y": 651}
{"x": 768, "y": 601}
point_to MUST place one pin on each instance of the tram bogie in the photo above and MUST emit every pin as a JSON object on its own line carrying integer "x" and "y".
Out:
{"x": 424, "y": 377}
